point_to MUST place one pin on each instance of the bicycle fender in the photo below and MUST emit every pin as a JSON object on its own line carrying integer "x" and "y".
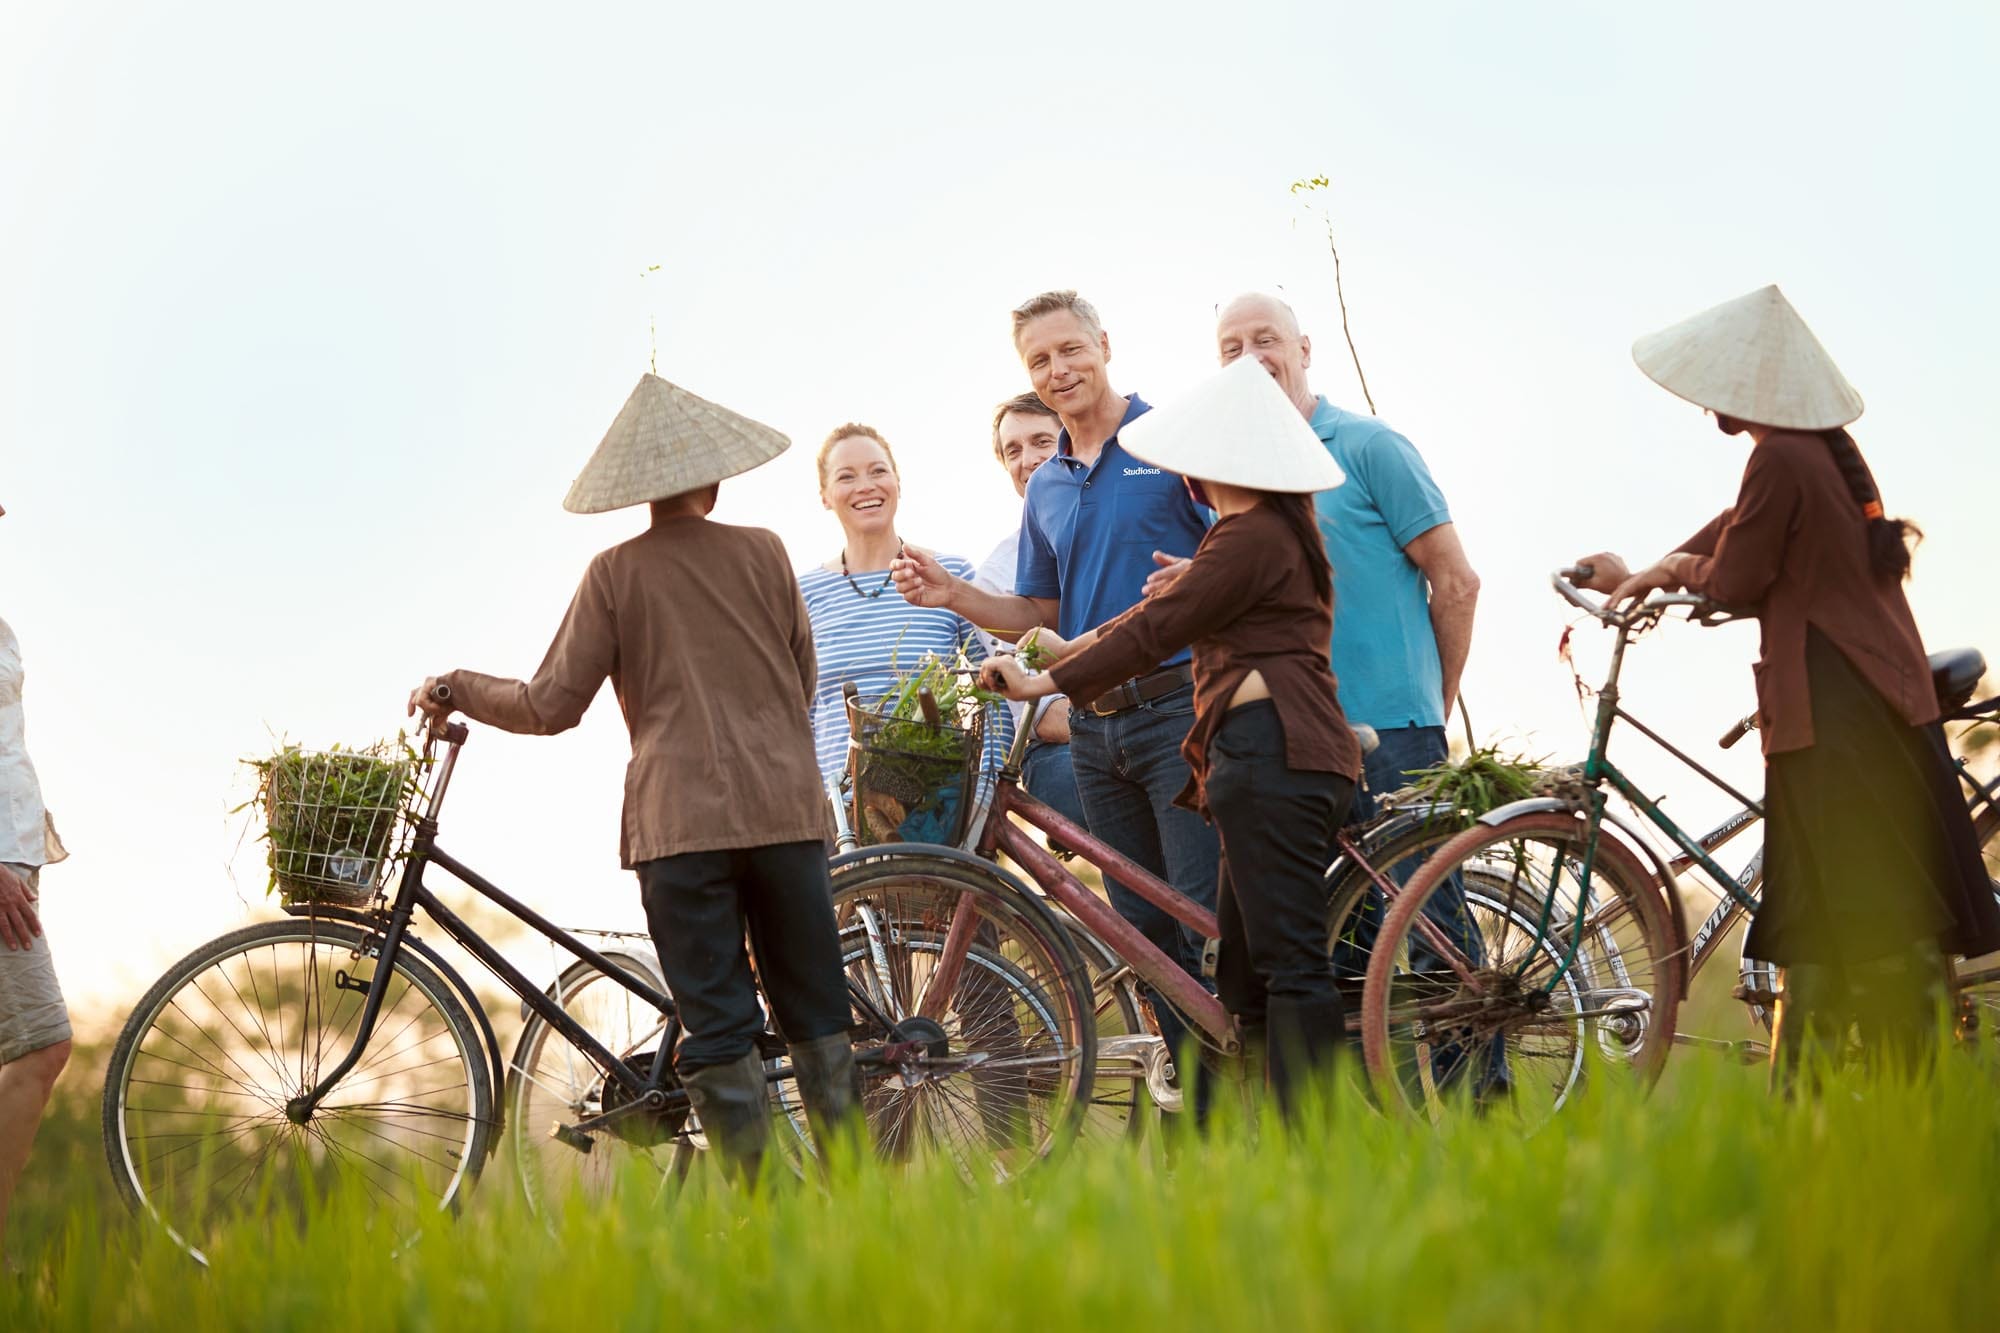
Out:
{"x": 640, "y": 964}
{"x": 1663, "y": 873}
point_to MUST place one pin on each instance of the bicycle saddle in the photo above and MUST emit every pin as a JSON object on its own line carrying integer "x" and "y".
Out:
{"x": 1956, "y": 673}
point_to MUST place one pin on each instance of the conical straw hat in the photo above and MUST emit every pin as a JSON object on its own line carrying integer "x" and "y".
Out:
{"x": 1236, "y": 427}
{"x": 1753, "y": 359}
{"x": 667, "y": 441}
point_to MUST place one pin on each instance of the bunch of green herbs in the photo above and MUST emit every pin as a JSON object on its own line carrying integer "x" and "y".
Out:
{"x": 1476, "y": 783}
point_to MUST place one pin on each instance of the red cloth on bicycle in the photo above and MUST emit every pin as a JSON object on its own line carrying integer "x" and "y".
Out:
{"x": 704, "y": 636}
{"x": 1246, "y": 602}
{"x": 1795, "y": 547}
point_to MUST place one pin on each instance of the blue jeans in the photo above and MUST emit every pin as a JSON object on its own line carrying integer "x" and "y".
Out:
{"x": 1403, "y": 751}
{"x": 1050, "y": 777}
{"x": 1128, "y": 771}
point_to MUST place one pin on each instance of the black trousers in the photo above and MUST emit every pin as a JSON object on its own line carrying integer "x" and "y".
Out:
{"x": 1277, "y": 825}
{"x": 698, "y": 905}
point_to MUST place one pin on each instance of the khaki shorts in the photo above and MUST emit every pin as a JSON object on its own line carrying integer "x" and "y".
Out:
{"x": 32, "y": 1014}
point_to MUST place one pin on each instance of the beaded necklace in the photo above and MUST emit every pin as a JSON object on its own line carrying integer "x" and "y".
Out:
{"x": 887, "y": 579}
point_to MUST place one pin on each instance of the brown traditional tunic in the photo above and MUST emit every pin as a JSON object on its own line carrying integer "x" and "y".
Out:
{"x": 701, "y": 630}
{"x": 1246, "y": 603}
{"x": 1795, "y": 547}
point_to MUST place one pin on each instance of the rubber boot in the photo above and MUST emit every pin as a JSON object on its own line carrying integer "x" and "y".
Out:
{"x": 1899, "y": 1007}
{"x": 735, "y": 1111}
{"x": 1809, "y": 1026}
{"x": 830, "y": 1086}
{"x": 1304, "y": 1036}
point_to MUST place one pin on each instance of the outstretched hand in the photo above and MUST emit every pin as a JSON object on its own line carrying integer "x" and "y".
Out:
{"x": 921, "y": 579}
{"x": 1170, "y": 568}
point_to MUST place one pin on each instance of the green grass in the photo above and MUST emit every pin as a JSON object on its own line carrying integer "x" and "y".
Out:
{"x": 1711, "y": 1205}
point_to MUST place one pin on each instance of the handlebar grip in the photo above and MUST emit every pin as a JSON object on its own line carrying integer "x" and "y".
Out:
{"x": 441, "y": 693}
{"x": 1738, "y": 732}
{"x": 928, "y": 704}
{"x": 1582, "y": 570}
{"x": 850, "y": 690}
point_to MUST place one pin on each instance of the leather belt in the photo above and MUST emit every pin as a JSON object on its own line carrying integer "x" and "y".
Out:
{"x": 1141, "y": 690}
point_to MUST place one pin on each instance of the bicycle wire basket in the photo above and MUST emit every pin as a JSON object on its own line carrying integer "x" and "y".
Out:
{"x": 338, "y": 822}
{"x": 914, "y": 779}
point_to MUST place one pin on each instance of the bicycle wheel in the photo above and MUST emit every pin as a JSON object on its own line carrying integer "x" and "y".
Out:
{"x": 1497, "y": 1002}
{"x": 989, "y": 1065}
{"x": 551, "y": 1081}
{"x": 196, "y": 1119}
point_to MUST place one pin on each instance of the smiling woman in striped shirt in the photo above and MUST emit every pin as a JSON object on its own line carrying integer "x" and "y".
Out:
{"x": 863, "y": 630}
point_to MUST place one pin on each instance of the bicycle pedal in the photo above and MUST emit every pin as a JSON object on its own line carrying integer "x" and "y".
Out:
{"x": 572, "y": 1137}
{"x": 1756, "y": 995}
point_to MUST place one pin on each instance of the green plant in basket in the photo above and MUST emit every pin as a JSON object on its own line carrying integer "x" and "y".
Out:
{"x": 331, "y": 816}
{"x": 914, "y": 765}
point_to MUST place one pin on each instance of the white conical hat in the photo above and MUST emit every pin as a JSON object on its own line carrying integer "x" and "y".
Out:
{"x": 1753, "y": 359}
{"x": 667, "y": 441}
{"x": 1236, "y": 427}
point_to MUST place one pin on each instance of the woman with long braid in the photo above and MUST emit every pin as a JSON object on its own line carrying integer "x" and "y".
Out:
{"x": 1872, "y": 873}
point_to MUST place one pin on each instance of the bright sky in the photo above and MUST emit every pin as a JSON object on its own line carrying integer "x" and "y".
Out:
{"x": 311, "y": 314}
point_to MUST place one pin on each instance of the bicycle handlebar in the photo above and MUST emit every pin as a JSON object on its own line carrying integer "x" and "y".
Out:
{"x": 1736, "y": 733}
{"x": 1702, "y": 610}
{"x": 451, "y": 733}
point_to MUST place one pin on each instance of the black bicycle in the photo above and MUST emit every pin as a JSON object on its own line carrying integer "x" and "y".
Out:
{"x": 282, "y": 1059}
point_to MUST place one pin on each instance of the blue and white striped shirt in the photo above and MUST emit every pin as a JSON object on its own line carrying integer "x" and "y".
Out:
{"x": 878, "y": 641}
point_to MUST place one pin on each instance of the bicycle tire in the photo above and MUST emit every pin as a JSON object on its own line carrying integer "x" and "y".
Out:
{"x": 1629, "y": 1010}
{"x": 245, "y": 1087}
{"x": 1035, "y": 1037}
{"x": 550, "y": 1081}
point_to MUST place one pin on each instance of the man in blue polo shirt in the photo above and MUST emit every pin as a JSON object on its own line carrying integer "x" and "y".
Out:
{"x": 1093, "y": 519}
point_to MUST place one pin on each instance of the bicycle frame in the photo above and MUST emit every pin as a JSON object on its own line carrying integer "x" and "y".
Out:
{"x": 648, "y": 1090}
{"x": 1125, "y": 940}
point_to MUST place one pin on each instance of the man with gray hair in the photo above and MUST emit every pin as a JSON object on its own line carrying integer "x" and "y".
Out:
{"x": 1093, "y": 521}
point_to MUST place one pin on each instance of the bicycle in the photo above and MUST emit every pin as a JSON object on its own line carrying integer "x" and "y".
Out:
{"x": 279, "y": 1059}
{"x": 1570, "y": 839}
{"x": 1377, "y": 858}
{"x": 1955, "y": 675}
{"x": 1588, "y": 951}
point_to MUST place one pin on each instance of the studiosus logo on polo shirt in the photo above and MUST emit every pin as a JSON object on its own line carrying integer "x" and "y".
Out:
{"x": 1142, "y": 472}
